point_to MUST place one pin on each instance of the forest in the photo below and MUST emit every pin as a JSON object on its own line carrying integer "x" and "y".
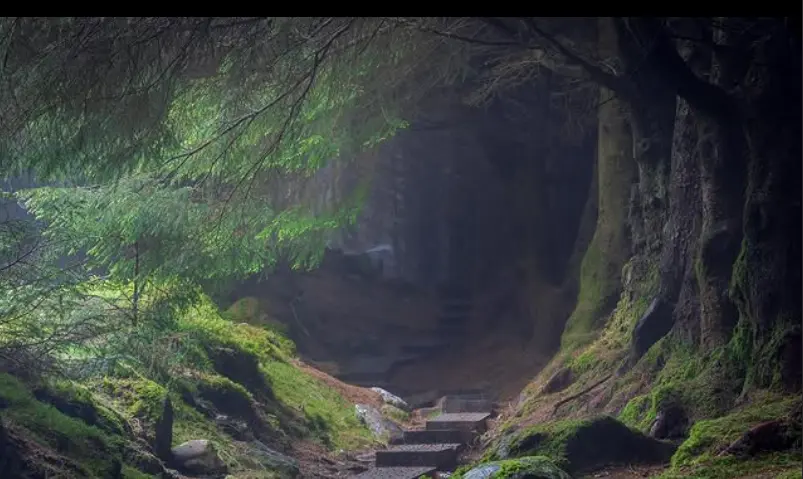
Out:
{"x": 193, "y": 208}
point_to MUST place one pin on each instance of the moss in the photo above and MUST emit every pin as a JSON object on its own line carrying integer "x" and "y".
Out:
{"x": 249, "y": 310}
{"x": 577, "y": 445}
{"x": 138, "y": 396}
{"x": 206, "y": 323}
{"x": 76, "y": 400}
{"x": 601, "y": 269}
{"x": 395, "y": 414}
{"x": 638, "y": 413}
{"x": 784, "y": 465}
{"x": 535, "y": 467}
{"x": 131, "y": 473}
{"x": 90, "y": 447}
{"x": 229, "y": 397}
{"x": 583, "y": 362}
{"x": 707, "y": 437}
{"x": 330, "y": 418}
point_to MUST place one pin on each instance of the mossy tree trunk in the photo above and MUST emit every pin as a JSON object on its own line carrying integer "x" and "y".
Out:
{"x": 766, "y": 281}
{"x": 609, "y": 250}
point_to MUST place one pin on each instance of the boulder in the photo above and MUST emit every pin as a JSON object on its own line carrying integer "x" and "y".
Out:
{"x": 586, "y": 444}
{"x": 198, "y": 457}
{"x": 382, "y": 428}
{"x": 533, "y": 467}
{"x": 670, "y": 423}
{"x": 392, "y": 399}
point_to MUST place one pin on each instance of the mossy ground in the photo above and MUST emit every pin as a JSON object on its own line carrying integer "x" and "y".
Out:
{"x": 128, "y": 400}
{"x": 724, "y": 391}
{"x": 91, "y": 449}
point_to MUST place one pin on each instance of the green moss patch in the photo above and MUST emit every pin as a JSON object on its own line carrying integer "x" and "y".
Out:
{"x": 330, "y": 418}
{"x": 584, "y": 444}
{"x": 531, "y": 467}
{"x": 709, "y": 437}
{"x": 92, "y": 449}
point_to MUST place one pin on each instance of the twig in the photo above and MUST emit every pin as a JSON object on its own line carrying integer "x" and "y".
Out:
{"x": 575, "y": 396}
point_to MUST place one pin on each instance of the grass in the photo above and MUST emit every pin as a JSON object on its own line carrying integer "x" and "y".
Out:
{"x": 780, "y": 465}
{"x": 331, "y": 419}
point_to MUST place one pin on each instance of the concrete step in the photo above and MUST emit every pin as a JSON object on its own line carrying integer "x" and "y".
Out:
{"x": 446, "y": 436}
{"x": 458, "y": 404}
{"x": 398, "y": 473}
{"x": 469, "y": 421}
{"x": 440, "y": 456}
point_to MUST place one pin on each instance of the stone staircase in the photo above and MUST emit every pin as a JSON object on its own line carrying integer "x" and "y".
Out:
{"x": 437, "y": 447}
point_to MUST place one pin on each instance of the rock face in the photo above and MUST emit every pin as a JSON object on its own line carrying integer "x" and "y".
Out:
{"x": 198, "y": 457}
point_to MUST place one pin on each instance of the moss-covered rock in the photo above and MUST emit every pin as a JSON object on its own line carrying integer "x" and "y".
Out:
{"x": 532, "y": 467}
{"x": 584, "y": 444}
{"x": 76, "y": 401}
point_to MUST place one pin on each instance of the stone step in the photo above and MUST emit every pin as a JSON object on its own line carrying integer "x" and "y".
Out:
{"x": 458, "y": 404}
{"x": 469, "y": 421}
{"x": 440, "y": 456}
{"x": 398, "y": 473}
{"x": 445, "y": 436}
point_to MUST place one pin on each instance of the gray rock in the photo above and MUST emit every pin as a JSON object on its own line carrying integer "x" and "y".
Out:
{"x": 198, "y": 457}
{"x": 381, "y": 427}
{"x": 392, "y": 399}
{"x": 534, "y": 467}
